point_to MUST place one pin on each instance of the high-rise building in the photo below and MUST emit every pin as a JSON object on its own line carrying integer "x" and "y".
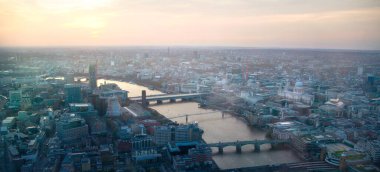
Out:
{"x": 15, "y": 98}
{"x": 85, "y": 110}
{"x": 180, "y": 133}
{"x": 162, "y": 135}
{"x": 141, "y": 142}
{"x": 370, "y": 80}
{"x": 374, "y": 150}
{"x": 69, "y": 78}
{"x": 92, "y": 76}
{"x": 73, "y": 93}
{"x": 25, "y": 101}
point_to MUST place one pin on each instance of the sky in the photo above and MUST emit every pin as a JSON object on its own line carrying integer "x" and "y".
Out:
{"x": 331, "y": 24}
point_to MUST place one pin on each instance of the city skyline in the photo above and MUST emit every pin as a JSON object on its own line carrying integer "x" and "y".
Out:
{"x": 348, "y": 24}
{"x": 189, "y": 109}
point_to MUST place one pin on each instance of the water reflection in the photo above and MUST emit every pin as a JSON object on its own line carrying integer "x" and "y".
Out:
{"x": 228, "y": 128}
{"x": 217, "y": 129}
{"x": 134, "y": 90}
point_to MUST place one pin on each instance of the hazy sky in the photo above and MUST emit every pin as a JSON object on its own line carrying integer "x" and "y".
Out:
{"x": 351, "y": 24}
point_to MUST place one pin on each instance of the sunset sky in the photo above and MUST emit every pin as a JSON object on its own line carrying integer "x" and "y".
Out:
{"x": 341, "y": 24}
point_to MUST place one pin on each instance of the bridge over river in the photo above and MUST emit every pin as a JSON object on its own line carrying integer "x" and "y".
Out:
{"x": 238, "y": 144}
{"x": 171, "y": 97}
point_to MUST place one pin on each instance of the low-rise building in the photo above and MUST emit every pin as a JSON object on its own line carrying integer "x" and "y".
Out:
{"x": 71, "y": 127}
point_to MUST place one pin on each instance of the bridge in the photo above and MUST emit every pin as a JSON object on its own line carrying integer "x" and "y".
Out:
{"x": 196, "y": 114}
{"x": 238, "y": 144}
{"x": 170, "y": 97}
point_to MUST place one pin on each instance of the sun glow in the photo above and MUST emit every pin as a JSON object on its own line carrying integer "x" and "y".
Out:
{"x": 258, "y": 23}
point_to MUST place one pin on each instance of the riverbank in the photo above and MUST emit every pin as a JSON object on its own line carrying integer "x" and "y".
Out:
{"x": 216, "y": 128}
{"x": 131, "y": 79}
{"x": 155, "y": 115}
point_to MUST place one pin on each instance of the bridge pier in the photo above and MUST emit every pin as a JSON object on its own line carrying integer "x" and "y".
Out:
{"x": 172, "y": 100}
{"x": 220, "y": 150}
{"x": 159, "y": 102}
{"x": 239, "y": 144}
{"x": 238, "y": 148}
{"x": 257, "y": 147}
{"x": 272, "y": 146}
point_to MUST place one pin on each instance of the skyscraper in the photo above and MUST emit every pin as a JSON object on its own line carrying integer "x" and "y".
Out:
{"x": 73, "y": 93}
{"x": 92, "y": 76}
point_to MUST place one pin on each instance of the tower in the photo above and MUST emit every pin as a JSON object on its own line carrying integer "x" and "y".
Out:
{"x": 143, "y": 98}
{"x": 113, "y": 107}
{"x": 92, "y": 76}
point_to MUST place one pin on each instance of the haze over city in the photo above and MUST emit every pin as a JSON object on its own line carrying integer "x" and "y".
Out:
{"x": 190, "y": 86}
{"x": 343, "y": 24}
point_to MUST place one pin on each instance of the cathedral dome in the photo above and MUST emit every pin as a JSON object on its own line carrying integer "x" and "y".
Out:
{"x": 298, "y": 84}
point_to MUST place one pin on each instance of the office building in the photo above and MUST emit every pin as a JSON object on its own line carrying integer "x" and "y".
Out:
{"x": 22, "y": 116}
{"x": 8, "y": 122}
{"x": 85, "y": 110}
{"x": 201, "y": 155}
{"x": 71, "y": 127}
{"x": 141, "y": 141}
{"x": 15, "y": 98}
{"x": 374, "y": 150}
{"x": 72, "y": 93}
{"x": 92, "y": 76}
{"x": 162, "y": 134}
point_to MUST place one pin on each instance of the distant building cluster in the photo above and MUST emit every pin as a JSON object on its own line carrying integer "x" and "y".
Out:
{"x": 55, "y": 116}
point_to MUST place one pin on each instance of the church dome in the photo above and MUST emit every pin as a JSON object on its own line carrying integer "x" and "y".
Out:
{"x": 298, "y": 84}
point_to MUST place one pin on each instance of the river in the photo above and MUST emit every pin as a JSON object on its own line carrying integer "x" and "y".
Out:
{"x": 134, "y": 90}
{"x": 217, "y": 128}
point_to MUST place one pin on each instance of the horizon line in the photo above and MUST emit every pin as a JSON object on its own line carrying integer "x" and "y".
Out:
{"x": 186, "y": 46}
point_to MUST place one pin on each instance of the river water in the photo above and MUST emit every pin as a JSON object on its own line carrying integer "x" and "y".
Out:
{"x": 218, "y": 128}
{"x": 134, "y": 90}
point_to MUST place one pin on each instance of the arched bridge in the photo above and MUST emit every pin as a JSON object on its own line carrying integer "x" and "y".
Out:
{"x": 238, "y": 144}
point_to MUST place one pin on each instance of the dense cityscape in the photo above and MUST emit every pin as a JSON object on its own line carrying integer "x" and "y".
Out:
{"x": 184, "y": 108}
